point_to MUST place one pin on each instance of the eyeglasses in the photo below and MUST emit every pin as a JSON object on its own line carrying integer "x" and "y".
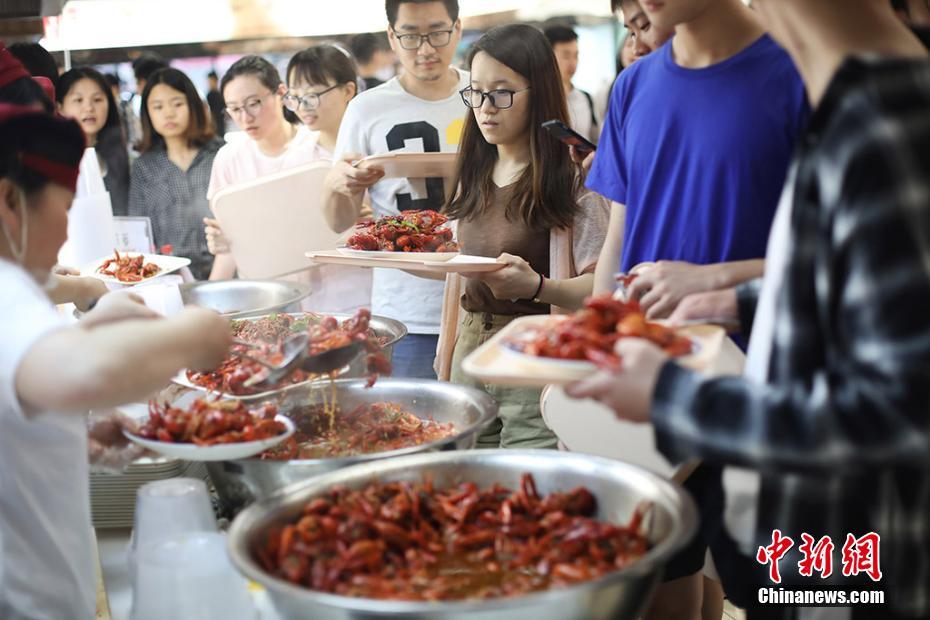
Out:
{"x": 252, "y": 107}
{"x": 437, "y": 38}
{"x": 500, "y": 98}
{"x": 310, "y": 101}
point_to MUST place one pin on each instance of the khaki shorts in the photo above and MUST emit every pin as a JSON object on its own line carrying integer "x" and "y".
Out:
{"x": 519, "y": 423}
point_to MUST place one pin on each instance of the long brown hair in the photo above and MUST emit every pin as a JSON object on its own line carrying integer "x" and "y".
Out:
{"x": 545, "y": 194}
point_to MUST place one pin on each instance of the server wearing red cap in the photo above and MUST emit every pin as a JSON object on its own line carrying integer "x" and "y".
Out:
{"x": 17, "y": 86}
{"x": 51, "y": 374}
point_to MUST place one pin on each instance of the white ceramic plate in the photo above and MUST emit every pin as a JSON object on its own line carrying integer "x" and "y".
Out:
{"x": 420, "y": 257}
{"x": 166, "y": 264}
{"x": 193, "y": 452}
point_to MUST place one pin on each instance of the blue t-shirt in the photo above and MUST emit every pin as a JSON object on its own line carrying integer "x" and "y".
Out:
{"x": 699, "y": 156}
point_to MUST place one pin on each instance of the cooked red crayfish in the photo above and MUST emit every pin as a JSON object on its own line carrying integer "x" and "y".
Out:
{"x": 591, "y": 333}
{"x": 411, "y": 231}
{"x": 329, "y": 334}
{"x": 409, "y": 541}
{"x": 378, "y": 427}
{"x": 126, "y": 268}
{"x": 207, "y": 423}
{"x": 271, "y": 331}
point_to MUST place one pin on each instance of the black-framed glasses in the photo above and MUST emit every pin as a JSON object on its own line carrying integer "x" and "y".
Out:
{"x": 252, "y": 106}
{"x": 436, "y": 38}
{"x": 501, "y": 98}
{"x": 310, "y": 101}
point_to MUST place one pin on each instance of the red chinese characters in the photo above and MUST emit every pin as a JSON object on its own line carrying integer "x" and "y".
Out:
{"x": 773, "y": 553}
{"x": 817, "y": 557}
{"x": 860, "y": 555}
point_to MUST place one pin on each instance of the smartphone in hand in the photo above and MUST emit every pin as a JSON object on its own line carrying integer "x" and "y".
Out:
{"x": 570, "y": 137}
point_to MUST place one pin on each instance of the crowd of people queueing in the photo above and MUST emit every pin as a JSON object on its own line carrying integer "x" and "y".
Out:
{"x": 769, "y": 165}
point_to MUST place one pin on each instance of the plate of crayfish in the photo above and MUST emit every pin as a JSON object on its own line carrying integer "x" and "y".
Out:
{"x": 410, "y": 235}
{"x": 194, "y": 428}
{"x": 130, "y": 268}
{"x": 556, "y": 350}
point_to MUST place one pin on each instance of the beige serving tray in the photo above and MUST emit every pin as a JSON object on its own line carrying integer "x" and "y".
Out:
{"x": 462, "y": 263}
{"x": 495, "y": 362}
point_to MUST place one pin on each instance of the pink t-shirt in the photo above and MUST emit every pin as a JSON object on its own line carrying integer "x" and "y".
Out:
{"x": 334, "y": 288}
{"x": 241, "y": 159}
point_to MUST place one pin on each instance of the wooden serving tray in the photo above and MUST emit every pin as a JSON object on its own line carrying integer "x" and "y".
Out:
{"x": 462, "y": 263}
{"x": 495, "y": 362}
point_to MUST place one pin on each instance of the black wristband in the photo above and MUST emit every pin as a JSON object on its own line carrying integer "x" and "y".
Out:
{"x": 535, "y": 296}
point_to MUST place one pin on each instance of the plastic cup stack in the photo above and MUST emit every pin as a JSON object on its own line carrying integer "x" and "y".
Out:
{"x": 179, "y": 564}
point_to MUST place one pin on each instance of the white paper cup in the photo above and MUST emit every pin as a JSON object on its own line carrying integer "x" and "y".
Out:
{"x": 189, "y": 576}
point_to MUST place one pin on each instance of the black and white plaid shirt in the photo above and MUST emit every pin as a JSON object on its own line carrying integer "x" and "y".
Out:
{"x": 176, "y": 202}
{"x": 841, "y": 431}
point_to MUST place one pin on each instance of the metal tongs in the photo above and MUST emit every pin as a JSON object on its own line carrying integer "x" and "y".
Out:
{"x": 297, "y": 356}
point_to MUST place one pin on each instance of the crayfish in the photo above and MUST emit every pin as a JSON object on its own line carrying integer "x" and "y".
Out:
{"x": 207, "y": 423}
{"x": 411, "y": 231}
{"x": 127, "y": 268}
{"x": 591, "y": 333}
{"x": 411, "y": 541}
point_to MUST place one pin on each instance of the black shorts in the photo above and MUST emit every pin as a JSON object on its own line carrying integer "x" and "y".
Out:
{"x": 705, "y": 484}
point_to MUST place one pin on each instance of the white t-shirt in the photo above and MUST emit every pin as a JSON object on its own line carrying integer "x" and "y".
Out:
{"x": 580, "y": 112}
{"x": 46, "y": 553}
{"x": 742, "y": 485}
{"x": 388, "y": 118}
{"x": 240, "y": 159}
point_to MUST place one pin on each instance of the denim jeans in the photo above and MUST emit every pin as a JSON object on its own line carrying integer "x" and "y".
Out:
{"x": 414, "y": 355}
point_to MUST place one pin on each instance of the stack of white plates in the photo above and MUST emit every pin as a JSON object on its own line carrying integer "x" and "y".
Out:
{"x": 113, "y": 496}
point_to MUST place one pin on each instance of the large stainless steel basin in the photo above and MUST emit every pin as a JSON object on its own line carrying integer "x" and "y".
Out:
{"x": 241, "y": 482}
{"x": 619, "y": 489}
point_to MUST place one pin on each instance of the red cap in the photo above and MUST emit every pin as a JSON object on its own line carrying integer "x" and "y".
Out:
{"x": 10, "y": 67}
{"x": 28, "y": 121}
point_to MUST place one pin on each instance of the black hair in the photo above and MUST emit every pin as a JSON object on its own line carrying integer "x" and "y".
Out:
{"x": 57, "y": 139}
{"x": 322, "y": 64}
{"x": 147, "y": 64}
{"x": 391, "y": 8}
{"x": 199, "y": 128}
{"x": 112, "y": 79}
{"x": 263, "y": 71}
{"x": 364, "y": 46}
{"x": 26, "y": 91}
{"x": 545, "y": 194}
{"x": 111, "y": 143}
{"x": 560, "y": 34}
{"x": 37, "y": 60}
{"x": 213, "y": 75}
{"x": 615, "y": 5}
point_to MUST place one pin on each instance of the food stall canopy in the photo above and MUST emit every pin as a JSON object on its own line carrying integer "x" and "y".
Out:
{"x": 99, "y": 24}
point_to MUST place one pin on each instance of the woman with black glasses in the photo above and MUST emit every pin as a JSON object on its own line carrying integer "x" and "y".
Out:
{"x": 520, "y": 199}
{"x": 321, "y": 80}
{"x": 254, "y": 96}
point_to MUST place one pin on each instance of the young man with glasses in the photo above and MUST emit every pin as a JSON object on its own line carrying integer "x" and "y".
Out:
{"x": 419, "y": 111}
{"x": 832, "y": 421}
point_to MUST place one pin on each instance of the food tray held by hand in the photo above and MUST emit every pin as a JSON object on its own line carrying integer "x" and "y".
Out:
{"x": 166, "y": 265}
{"x": 498, "y": 362}
{"x": 459, "y": 263}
